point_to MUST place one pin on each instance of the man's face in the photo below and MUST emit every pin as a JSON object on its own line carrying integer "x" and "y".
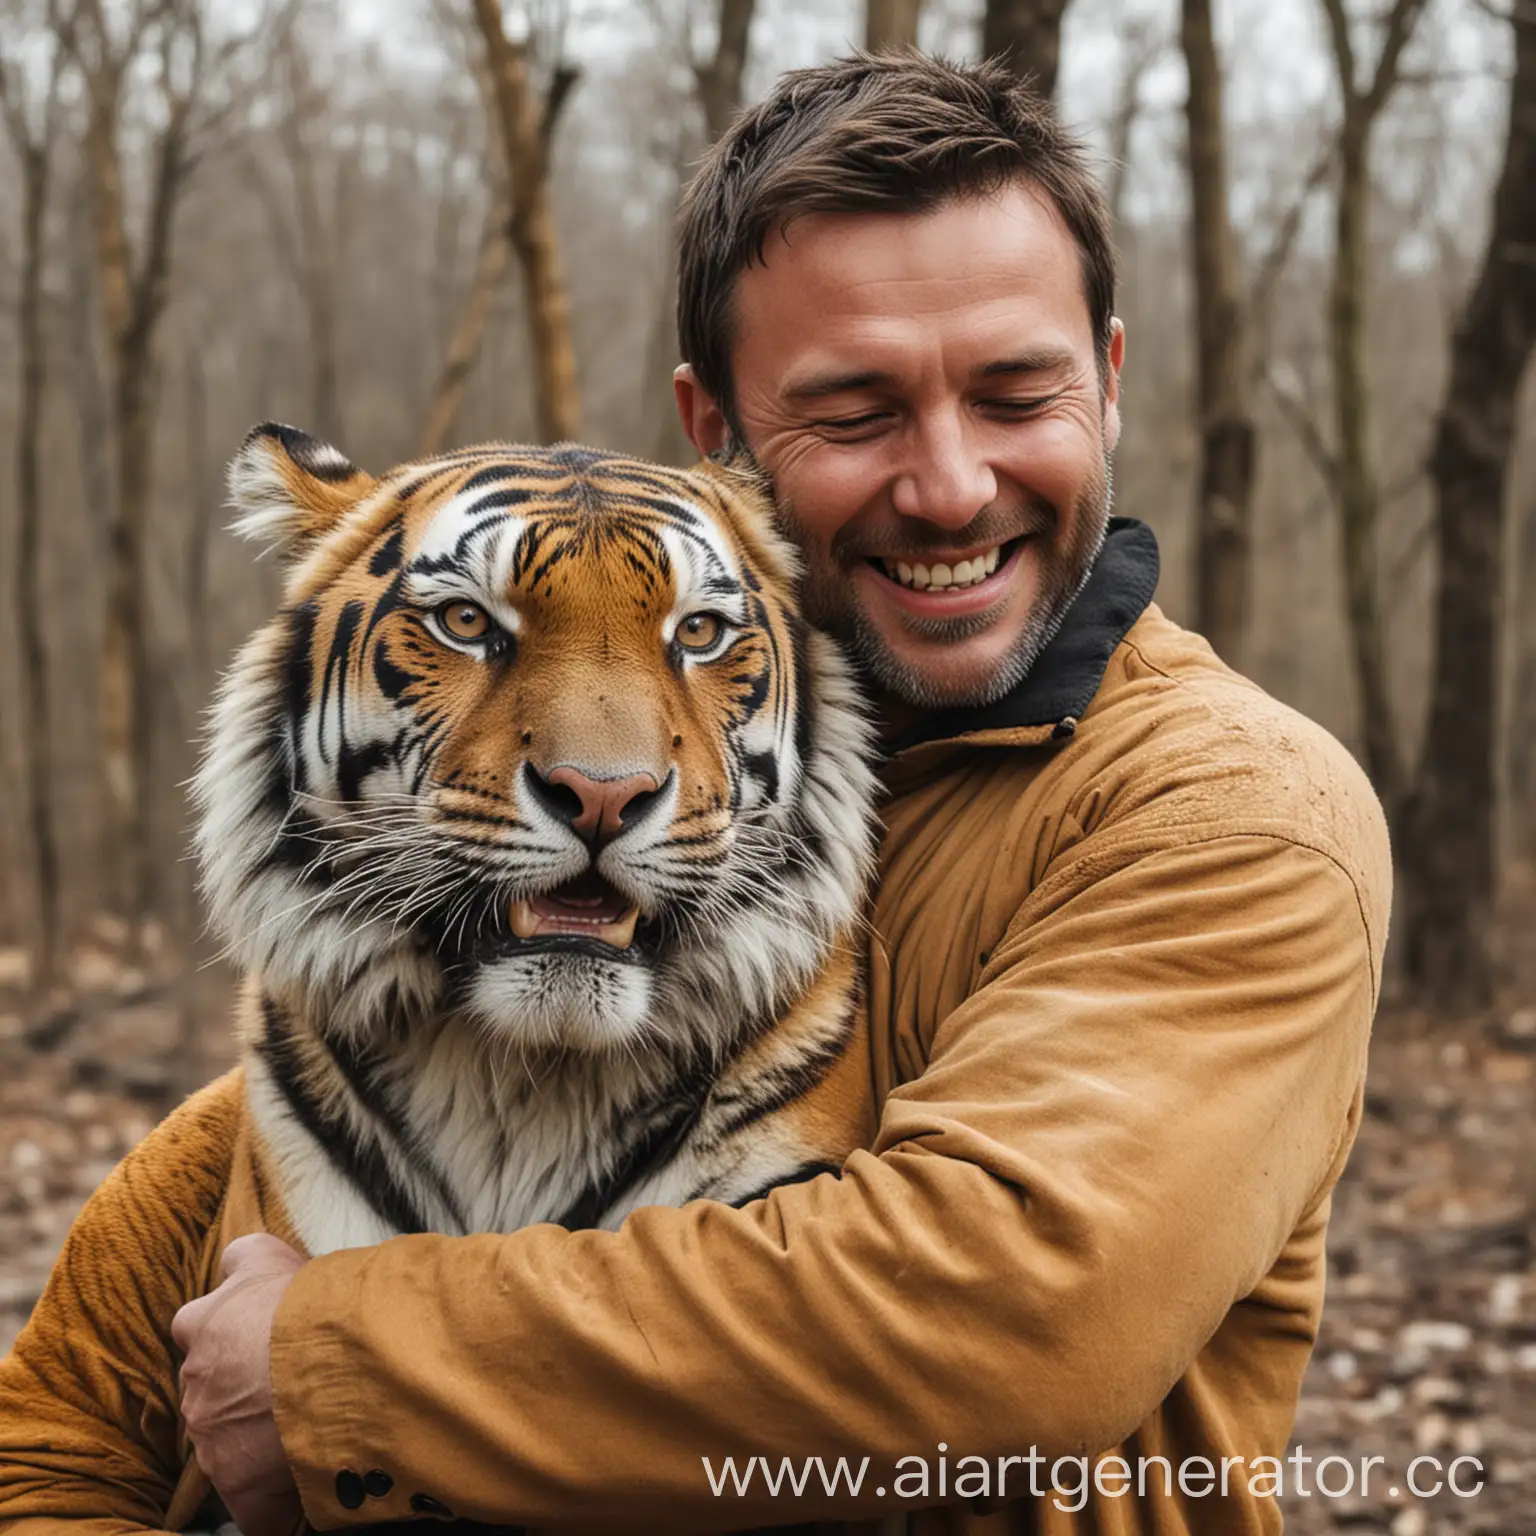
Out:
{"x": 924, "y": 391}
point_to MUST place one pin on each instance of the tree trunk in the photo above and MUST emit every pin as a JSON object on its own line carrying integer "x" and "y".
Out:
{"x": 29, "y": 580}
{"x": 1227, "y": 439}
{"x": 464, "y": 346}
{"x": 119, "y": 698}
{"x": 129, "y": 681}
{"x": 891, "y": 23}
{"x": 1356, "y": 489}
{"x": 132, "y": 304}
{"x": 1027, "y": 33}
{"x": 1347, "y": 464}
{"x": 316, "y": 261}
{"x": 87, "y": 395}
{"x": 720, "y": 80}
{"x": 1450, "y": 854}
{"x": 532, "y": 230}
{"x": 1522, "y": 721}
{"x": 719, "y": 85}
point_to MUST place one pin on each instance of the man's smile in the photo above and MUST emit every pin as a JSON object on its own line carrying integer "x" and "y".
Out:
{"x": 946, "y": 584}
{"x": 940, "y": 570}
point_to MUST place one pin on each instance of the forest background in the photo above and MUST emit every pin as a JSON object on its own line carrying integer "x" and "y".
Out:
{"x": 415, "y": 223}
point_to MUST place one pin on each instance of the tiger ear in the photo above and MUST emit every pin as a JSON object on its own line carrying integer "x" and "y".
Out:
{"x": 288, "y": 489}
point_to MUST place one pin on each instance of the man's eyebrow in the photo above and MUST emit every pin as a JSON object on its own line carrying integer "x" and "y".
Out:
{"x": 819, "y": 385}
{"x": 1042, "y": 360}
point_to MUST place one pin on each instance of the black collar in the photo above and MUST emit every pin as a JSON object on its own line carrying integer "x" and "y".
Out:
{"x": 1067, "y": 673}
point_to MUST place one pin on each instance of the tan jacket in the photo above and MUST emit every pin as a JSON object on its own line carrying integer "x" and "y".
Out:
{"x": 1125, "y": 955}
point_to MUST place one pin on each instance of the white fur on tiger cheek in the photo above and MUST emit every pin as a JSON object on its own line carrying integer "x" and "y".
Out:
{"x": 275, "y": 926}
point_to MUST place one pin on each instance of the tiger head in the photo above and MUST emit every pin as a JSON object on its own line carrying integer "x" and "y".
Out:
{"x": 537, "y": 737}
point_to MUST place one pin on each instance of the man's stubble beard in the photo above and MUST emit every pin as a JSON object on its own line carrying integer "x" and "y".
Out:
{"x": 827, "y": 596}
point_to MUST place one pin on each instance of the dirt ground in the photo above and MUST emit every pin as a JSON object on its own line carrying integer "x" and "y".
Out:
{"x": 1428, "y": 1344}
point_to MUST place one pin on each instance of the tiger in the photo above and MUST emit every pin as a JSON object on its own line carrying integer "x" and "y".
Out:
{"x": 539, "y": 827}
{"x": 540, "y": 824}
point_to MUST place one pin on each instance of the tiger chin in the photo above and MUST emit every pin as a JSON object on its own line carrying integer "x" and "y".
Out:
{"x": 540, "y": 825}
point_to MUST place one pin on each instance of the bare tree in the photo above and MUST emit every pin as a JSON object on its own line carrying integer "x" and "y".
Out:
{"x": 1351, "y": 474}
{"x": 88, "y": 396}
{"x": 1141, "y": 45}
{"x": 496, "y": 247}
{"x": 134, "y": 292}
{"x": 525, "y": 141}
{"x": 1449, "y": 854}
{"x": 1027, "y": 35}
{"x": 891, "y": 23}
{"x": 469, "y": 332}
{"x": 1227, "y": 440}
{"x": 719, "y": 79}
{"x": 308, "y": 223}
{"x": 718, "y": 89}
{"x": 33, "y": 130}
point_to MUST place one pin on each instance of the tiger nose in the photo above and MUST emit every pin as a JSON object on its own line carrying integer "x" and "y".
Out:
{"x": 595, "y": 808}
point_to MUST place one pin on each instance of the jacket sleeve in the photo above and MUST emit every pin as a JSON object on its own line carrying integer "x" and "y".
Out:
{"x": 1109, "y": 1147}
{"x": 89, "y": 1429}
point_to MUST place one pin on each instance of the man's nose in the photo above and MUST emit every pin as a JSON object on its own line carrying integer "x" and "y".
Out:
{"x": 947, "y": 479}
{"x": 595, "y": 809}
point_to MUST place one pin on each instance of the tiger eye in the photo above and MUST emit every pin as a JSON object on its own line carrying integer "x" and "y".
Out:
{"x": 465, "y": 621}
{"x": 699, "y": 631}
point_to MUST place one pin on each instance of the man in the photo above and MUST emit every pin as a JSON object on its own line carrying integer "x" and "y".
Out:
{"x": 1124, "y": 959}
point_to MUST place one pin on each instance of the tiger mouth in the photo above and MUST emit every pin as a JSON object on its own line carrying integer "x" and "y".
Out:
{"x": 584, "y": 908}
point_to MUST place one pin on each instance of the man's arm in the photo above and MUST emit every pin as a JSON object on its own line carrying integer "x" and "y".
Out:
{"x": 88, "y": 1416}
{"x": 1109, "y": 1147}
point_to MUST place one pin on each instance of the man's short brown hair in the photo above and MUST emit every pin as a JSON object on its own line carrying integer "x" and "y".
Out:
{"x": 887, "y": 133}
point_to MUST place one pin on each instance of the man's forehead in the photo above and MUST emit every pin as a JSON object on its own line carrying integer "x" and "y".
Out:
{"x": 835, "y": 282}
{"x": 1017, "y": 222}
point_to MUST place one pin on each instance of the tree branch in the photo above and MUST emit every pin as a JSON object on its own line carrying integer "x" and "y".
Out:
{"x": 1301, "y": 421}
{"x": 1272, "y": 264}
{"x": 719, "y": 81}
{"x": 1401, "y": 21}
{"x": 561, "y": 84}
{"x": 1144, "y": 45}
{"x": 1343, "y": 48}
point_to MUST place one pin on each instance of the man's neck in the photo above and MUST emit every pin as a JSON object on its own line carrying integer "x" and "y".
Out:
{"x": 894, "y": 717}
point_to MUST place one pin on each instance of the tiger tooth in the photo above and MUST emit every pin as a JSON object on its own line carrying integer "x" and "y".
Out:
{"x": 528, "y": 924}
{"x": 622, "y": 933}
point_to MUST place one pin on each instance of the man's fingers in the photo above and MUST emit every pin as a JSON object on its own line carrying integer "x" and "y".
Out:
{"x": 267, "y": 1514}
{"x": 259, "y": 1251}
{"x": 258, "y": 1254}
{"x": 187, "y": 1321}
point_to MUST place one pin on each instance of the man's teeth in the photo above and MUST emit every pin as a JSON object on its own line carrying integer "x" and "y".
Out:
{"x": 925, "y": 578}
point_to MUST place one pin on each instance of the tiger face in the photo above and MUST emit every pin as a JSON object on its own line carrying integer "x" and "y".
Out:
{"x": 537, "y": 737}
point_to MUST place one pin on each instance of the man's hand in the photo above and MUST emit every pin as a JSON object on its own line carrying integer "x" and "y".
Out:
{"x": 226, "y": 1388}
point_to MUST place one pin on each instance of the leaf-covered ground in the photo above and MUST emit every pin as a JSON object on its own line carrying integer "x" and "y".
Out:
{"x": 1428, "y": 1344}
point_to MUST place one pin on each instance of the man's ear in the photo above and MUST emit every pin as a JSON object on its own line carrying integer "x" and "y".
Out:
{"x": 701, "y": 417}
{"x": 289, "y": 490}
{"x": 1113, "y": 364}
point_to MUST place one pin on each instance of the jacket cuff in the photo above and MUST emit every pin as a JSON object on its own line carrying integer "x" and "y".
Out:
{"x": 342, "y": 1473}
